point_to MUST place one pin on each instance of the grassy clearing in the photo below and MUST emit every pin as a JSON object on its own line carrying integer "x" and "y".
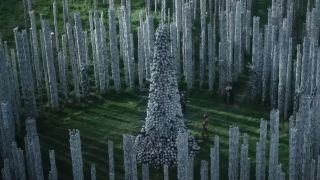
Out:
{"x": 103, "y": 120}
{"x": 12, "y": 14}
{"x": 111, "y": 116}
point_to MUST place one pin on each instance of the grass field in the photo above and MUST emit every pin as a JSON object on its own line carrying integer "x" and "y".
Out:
{"x": 12, "y": 13}
{"x": 108, "y": 118}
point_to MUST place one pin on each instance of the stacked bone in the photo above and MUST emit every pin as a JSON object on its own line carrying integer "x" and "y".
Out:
{"x": 156, "y": 144}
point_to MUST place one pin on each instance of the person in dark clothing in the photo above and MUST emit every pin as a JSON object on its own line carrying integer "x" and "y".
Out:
{"x": 183, "y": 102}
{"x": 228, "y": 94}
{"x": 205, "y": 131}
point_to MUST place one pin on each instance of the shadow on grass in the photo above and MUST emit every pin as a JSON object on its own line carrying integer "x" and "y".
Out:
{"x": 103, "y": 120}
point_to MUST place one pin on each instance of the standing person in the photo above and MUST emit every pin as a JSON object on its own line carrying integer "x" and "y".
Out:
{"x": 183, "y": 102}
{"x": 228, "y": 94}
{"x": 205, "y": 124}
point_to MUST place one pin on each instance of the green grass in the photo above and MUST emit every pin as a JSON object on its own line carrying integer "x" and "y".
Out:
{"x": 12, "y": 14}
{"x": 107, "y": 118}
{"x": 102, "y": 120}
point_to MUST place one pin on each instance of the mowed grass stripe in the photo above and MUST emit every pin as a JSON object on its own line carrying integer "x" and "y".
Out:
{"x": 106, "y": 120}
{"x": 90, "y": 153}
{"x": 95, "y": 130}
